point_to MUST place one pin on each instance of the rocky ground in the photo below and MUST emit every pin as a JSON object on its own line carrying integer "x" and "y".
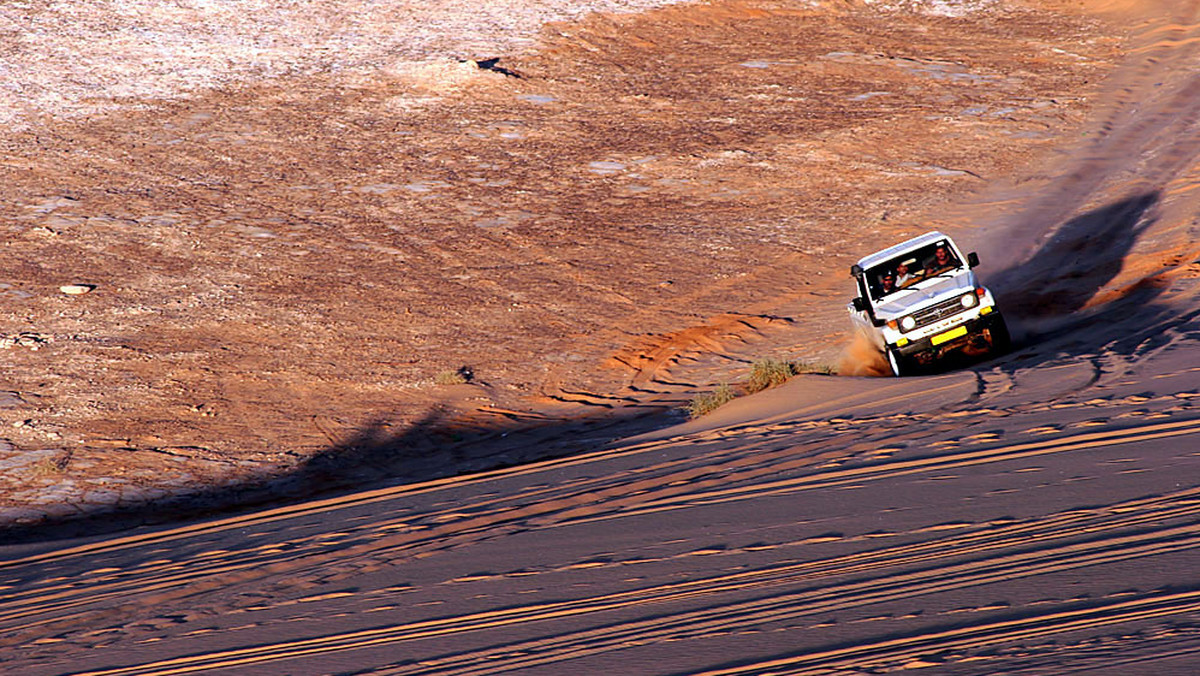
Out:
{"x": 476, "y": 291}
{"x": 291, "y": 227}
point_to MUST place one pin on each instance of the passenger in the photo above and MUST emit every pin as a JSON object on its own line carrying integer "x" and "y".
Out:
{"x": 942, "y": 261}
{"x": 887, "y": 283}
{"x": 903, "y": 278}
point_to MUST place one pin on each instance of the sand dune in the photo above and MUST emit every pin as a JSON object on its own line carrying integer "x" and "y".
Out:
{"x": 1034, "y": 514}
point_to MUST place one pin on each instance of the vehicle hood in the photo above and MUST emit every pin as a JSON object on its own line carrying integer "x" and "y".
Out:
{"x": 924, "y": 294}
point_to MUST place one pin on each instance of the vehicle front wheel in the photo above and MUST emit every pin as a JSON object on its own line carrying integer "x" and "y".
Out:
{"x": 899, "y": 365}
{"x": 1001, "y": 339}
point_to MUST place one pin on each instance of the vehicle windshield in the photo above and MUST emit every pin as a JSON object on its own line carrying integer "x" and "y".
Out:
{"x": 911, "y": 268}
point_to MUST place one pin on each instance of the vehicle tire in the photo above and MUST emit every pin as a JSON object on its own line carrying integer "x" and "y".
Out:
{"x": 1001, "y": 339}
{"x": 897, "y": 363}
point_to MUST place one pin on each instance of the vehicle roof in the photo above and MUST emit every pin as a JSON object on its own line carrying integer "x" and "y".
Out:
{"x": 905, "y": 246}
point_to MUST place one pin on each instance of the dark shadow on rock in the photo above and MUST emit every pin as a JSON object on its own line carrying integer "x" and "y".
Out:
{"x": 492, "y": 64}
{"x": 435, "y": 447}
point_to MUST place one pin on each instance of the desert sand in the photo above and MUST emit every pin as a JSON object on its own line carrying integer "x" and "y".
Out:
{"x": 240, "y": 285}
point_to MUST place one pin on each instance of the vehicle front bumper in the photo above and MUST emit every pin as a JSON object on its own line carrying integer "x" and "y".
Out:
{"x": 926, "y": 345}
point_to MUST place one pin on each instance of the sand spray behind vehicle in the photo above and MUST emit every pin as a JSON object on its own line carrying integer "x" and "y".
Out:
{"x": 861, "y": 358}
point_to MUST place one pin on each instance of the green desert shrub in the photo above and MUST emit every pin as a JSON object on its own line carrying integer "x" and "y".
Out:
{"x": 770, "y": 372}
{"x": 815, "y": 367}
{"x": 456, "y": 377}
{"x": 709, "y": 401}
{"x": 766, "y": 373}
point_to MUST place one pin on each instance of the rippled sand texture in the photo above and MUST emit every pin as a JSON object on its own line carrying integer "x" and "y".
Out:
{"x": 1036, "y": 514}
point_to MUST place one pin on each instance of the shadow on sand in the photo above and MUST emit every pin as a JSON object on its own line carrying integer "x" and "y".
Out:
{"x": 435, "y": 447}
{"x": 1075, "y": 263}
{"x": 1046, "y": 293}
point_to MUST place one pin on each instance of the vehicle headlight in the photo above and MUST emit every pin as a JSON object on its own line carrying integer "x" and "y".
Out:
{"x": 908, "y": 323}
{"x": 969, "y": 300}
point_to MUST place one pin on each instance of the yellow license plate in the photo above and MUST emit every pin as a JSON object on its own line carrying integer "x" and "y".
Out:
{"x": 949, "y": 335}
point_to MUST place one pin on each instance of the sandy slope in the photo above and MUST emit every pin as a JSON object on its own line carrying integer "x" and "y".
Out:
{"x": 285, "y": 266}
{"x": 1037, "y": 514}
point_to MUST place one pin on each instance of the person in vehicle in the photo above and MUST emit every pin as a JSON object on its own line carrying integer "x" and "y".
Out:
{"x": 887, "y": 283}
{"x": 942, "y": 261}
{"x": 903, "y": 277}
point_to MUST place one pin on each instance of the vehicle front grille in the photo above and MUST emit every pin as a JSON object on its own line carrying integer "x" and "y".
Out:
{"x": 936, "y": 313}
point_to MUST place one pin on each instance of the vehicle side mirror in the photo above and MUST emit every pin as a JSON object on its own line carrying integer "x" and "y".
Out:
{"x": 856, "y": 271}
{"x": 859, "y": 304}
{"x": 973, "y": 260}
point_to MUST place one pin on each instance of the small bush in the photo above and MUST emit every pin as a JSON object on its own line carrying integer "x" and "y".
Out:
{"x": 51, "y": 466}
{"x": 451, "y": 378}
{"x": 815, "y": 367}
{"x": 766, "y": 373}
{"x": 709, "y": 401}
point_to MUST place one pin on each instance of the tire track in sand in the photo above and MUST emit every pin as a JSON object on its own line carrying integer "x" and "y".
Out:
{"x": 683, "y": 487}
{"x": 887, "y": 585}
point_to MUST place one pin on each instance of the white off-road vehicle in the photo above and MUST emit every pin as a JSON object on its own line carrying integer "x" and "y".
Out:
{"x": 920, "y": 300}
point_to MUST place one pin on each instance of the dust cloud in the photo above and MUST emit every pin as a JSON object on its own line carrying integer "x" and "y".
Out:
{"x": 861, "y": 358}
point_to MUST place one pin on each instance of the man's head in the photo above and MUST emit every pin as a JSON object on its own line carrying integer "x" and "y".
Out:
{"x": 941, "y": 254}
{"x": 888, "y": 281}
{"x": 902, "y": 269}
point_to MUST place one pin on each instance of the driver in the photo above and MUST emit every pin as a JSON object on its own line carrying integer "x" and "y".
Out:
{"x": 942, "y": 261}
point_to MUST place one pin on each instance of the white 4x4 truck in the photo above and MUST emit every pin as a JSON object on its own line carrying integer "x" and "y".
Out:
{"x": 920, "y": 300}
